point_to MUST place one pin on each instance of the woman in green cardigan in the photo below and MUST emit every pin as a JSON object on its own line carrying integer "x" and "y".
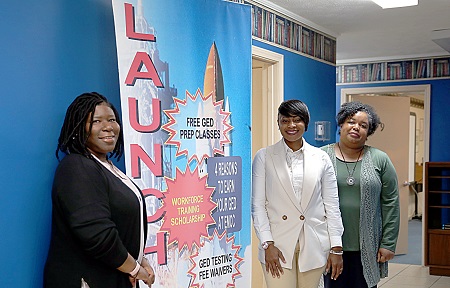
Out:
{"x": 368, "y": 199}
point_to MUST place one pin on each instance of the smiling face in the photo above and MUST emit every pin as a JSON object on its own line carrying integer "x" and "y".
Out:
{"x": 104, "y": 133}
{"x": 355, "y": 129}
{"x": 292, "y": 129}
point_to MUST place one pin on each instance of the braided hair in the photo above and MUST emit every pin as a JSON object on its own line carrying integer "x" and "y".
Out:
{"x": 73, "y": 136}
{"x": 349, "y": 109}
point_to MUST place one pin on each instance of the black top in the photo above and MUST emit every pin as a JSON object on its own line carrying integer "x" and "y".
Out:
{"x": 95, "y": 223}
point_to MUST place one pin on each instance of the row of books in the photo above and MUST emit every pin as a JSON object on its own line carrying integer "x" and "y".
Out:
{"x": 360, "y": 73}
{"x": 285, "y": 32}
{"x": 393, "y": 70}
{"x": 441, "y": 67}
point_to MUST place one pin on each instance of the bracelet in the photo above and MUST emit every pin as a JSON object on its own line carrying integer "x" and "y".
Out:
{"x": 135, "y": 271}
{"x": 337, "y": 252}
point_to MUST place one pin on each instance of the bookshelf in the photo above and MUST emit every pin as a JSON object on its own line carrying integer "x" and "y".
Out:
{"x": 441, "y": 67}
{"x": 437, "y": 217}
{"x": 408, "y": 69}
{"x": 276, "y": 28}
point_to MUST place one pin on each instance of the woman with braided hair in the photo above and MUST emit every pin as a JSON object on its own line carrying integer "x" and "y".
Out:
{"x": 368, "y": 199}
{"x": 99, "y": 215}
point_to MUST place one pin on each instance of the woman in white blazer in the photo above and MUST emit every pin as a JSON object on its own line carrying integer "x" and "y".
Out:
{"x": 295, "y": 206}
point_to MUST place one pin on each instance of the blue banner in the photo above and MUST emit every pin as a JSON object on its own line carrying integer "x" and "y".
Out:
{"x": 185, "y": 85}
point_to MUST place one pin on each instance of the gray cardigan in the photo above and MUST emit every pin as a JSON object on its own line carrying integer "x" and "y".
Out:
{"x": 379, "y": 212}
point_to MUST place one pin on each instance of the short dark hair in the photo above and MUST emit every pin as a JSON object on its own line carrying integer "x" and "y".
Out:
{"x": 293, "y": 108}
{"x": 73, "y": 136}
{"x": 351, "y": 108}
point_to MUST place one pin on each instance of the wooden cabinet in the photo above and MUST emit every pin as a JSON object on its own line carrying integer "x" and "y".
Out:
{"x": 437, "y": 217}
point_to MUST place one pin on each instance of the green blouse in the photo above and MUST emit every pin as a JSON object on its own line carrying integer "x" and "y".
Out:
{"x": 349, "y": 203}
{"x": 379, "y": 210}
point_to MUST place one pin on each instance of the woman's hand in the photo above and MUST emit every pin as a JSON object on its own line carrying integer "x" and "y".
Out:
{"x": 145, "y": 274}
{"x": 384, "y": 255}
{"x": 146, "y": 265}
{"x": 145, "y": 271}
{"x": 273, "y": 256}
{"x": 132, "y": 281}
{"x": 336, "y": 265}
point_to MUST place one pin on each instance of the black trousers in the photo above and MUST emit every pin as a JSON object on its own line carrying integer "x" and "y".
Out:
{"x": 352, "y": 276}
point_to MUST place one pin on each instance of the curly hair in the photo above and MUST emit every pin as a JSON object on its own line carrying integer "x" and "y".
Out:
{"x": 295, "y": 108}
{"x": 351, "y": 108}
{"x": 73, "y": 135}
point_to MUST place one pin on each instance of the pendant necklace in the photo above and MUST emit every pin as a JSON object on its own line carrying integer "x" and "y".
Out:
{"x": 350, "y": 178}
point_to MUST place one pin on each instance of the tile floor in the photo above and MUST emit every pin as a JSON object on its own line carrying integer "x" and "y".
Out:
{"x": 412, "y": 276}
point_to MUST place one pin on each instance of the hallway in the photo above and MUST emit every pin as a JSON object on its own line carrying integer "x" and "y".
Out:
{"x": 412, "y": 276}
{"x": 407, "y": 271}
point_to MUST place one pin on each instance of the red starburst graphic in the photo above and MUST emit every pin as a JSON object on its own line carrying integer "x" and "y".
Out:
{"x": 216, "y": 263}
{"x": 198, "y": 126}
{"x": 188, "y": 207}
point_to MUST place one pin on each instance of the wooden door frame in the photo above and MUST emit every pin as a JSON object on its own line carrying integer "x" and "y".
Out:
{"x": 272, "y": 95}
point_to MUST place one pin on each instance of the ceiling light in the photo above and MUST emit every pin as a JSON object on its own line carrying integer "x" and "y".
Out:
{"x": 385, "y": 4}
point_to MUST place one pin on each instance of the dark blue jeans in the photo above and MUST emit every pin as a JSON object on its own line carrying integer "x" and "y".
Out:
{"x": 352, "y": 275}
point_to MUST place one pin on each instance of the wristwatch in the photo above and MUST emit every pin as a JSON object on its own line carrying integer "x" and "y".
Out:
{"x": 266, "y": 244}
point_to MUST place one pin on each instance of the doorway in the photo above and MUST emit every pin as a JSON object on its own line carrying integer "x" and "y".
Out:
{"x": 267, "y": 94}
{"x": 417, "y": 94}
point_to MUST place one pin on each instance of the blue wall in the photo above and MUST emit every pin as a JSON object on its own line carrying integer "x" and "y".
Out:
{"x": 314, "y": 83}
{"x": 51, "y": 51}
{"x": 439, "y": 112}
{"x": 54, "y": 50}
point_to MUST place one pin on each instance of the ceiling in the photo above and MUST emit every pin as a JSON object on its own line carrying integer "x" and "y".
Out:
{"x": 366, "y": 32}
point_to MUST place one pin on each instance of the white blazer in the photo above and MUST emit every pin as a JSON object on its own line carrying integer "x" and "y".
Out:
{"x": 278, "y": 216}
